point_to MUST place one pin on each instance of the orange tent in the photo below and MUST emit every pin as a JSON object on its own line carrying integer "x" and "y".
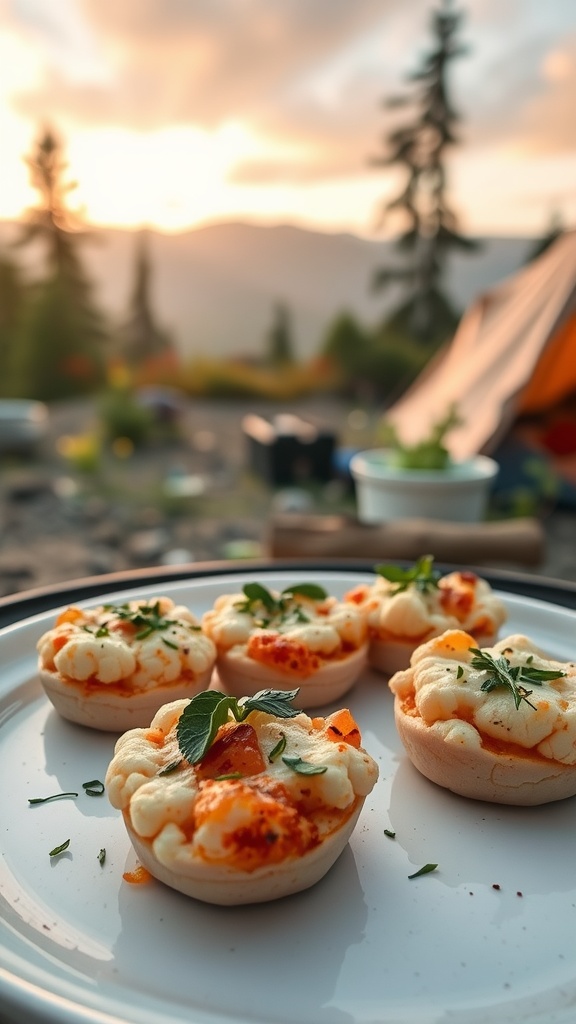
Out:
{"x": 513, "y": 354}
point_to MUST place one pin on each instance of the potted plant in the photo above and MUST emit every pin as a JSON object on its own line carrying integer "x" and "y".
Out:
{"x": 399, "y": 480}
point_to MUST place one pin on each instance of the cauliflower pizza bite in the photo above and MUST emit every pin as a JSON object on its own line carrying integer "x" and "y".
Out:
{"x": 112, "y": 667}
{"x": 405, "y": 608}
{"x": 300, "y": 637}
{"x": 255, "y": 809}
{"x": 495, "y": 724}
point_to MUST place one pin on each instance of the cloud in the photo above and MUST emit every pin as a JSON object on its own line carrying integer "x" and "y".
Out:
{"x": 202, "y": 62}
{"x": 306, "y": 76}
{"x": 548, "y": 121}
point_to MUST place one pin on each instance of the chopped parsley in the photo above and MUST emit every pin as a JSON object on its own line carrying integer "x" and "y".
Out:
{"x": 93, "y": 788}
{"x": 426, "y": 870}
{"x": 278, "y": 749}
{"x": 304, "y": 767}
{"x": 47, "y": 799}
{"x": 59, "y": 849}
{"x": 146, "y": 618}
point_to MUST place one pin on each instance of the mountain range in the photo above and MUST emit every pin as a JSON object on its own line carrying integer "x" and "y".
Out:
{"x": 214, "y": 288}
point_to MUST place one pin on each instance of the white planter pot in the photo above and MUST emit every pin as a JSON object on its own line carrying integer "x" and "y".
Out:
{"x": 457, "y": 494}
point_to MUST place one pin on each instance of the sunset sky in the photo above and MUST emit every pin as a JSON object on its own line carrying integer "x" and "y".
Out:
{"x": 181, "y": 112}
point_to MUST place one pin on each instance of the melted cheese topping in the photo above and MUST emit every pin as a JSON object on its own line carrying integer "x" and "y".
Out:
{"x": 268, "y": 814}
{"x": 307, "y": 633}
{"x": 104, "y": 646}
{"x": 445, "y": 691}
{"x": 462, "y": 600}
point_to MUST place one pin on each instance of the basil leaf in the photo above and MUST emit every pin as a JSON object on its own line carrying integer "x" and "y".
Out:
{"x": 256, "y": 592}
{"x": 304, "y": 767}
{"x": 102, "y": 857}
{"x": 311, "y": 590}
{"x": 200, "y": 722}
{"x": 422, "y": 575}
{"x": 273, "y": 702}
{"x": 393, "y": 573}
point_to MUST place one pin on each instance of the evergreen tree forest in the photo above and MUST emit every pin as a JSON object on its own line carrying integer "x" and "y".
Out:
{"x": 58, "y": 335}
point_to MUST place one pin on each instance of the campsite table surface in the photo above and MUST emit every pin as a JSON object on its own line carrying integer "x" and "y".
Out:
{"x": 21, "y": 605}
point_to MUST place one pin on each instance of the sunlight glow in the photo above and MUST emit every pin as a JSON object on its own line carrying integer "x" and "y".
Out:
{"x": 168, "y": 179}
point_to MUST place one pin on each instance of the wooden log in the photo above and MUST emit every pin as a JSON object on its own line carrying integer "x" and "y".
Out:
{"x": 508, "y": 541}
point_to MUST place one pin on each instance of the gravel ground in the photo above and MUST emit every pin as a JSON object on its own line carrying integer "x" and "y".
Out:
{"x": 189, "y": 499}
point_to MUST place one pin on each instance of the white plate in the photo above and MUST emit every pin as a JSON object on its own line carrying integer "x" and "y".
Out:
{"x": 365, "y": 946}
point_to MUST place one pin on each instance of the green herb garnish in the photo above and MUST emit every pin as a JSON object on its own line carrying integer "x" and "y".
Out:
{"x": 278, "y": 749}
{"x": 47, "y": 799}
{"x": 102, "y": 857}
{"x": 304, "y": 767}
{"x": 207, "y": 711}
{"x": 424, "y": 870}
{"x": 265, "y": 608}
{"x": 429, "y": 454}
{"x": 422, "y": 576}
{"x": 59, "y": 849}
{"x": 229, "y": 775}
{"x": 502, "y": 673}
{"x": 93, "y": 788}
{"x": 388, "y": 832}
{"x": 170, "y": 767}
{"x": 98, "y": 632}
{"x": 146, "y": 618}
{"x": 459, "y": 672}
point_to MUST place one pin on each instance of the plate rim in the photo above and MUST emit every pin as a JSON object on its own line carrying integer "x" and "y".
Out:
{"x": 61, "y": 1008}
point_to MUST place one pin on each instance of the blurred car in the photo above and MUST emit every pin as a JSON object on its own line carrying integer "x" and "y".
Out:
{"x": 23, "y": 425}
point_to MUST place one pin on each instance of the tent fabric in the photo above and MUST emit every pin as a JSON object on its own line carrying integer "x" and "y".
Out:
{"x": 514, "y": 352}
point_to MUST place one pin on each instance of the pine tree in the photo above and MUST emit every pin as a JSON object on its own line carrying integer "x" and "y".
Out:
{"x": 280, "y": 348}
{"x": 12, "y": 297}
{"x": 419, "y": 147}
{"x": 141, "y": 339}
{"x": 61, "y": 345}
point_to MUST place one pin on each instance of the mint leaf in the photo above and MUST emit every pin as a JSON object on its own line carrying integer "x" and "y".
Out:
{"x": 207, "y": 711}
{"x": 200, "y": 722}
{"x": 272, "y": 702}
